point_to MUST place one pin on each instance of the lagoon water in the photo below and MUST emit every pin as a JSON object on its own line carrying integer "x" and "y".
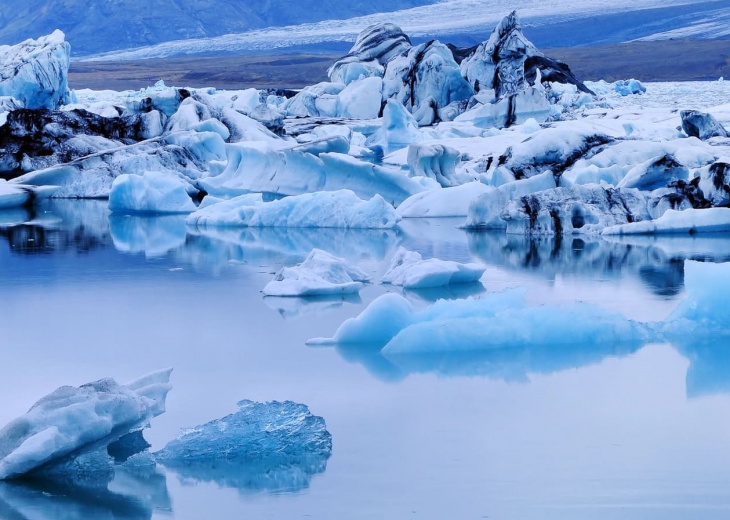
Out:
{"x": 599, "y": 432}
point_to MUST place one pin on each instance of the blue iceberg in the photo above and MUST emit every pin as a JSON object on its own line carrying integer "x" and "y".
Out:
{"x": 274, "y": 446}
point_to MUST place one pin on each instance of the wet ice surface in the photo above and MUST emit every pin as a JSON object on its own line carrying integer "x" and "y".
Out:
{"x": 604, "y": 432}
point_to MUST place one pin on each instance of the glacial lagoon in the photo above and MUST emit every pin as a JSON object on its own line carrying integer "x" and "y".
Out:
{"x": 601, "y": 431}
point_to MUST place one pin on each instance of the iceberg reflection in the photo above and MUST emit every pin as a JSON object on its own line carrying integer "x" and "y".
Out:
{"x": 132, "y": 495}
{"x": 658, "y": 263}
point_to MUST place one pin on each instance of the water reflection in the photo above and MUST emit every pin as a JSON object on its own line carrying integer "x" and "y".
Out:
{"x": 292, "y": 308}
{"x": 658, "y": 263}
{"x": 132, "y": 495}
{"x": 285, "y": 474}
{"x": 152, "y": 236}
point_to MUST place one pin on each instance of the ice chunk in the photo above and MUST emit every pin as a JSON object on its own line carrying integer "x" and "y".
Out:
{"x": 498, "y": 320}
{"x": 398, "y": 129}
{"x": 426, "y": 80}
{"x": 690, "y": 221}
{"x": 295, "y": 171}
{"x": 71, "y": 421}
{"x": 714, "y": 181}
{"x": 276, "y": 446}
{"x": 409, "y": 270}
{"x": 655, "y": 173}
{"x": 579, "y": 209}
{"x": 390, "y": 313}
{"x": 508, "y": 60}
{"x": 486, "y": 210}
{"x": 327, "y": 209}
{"x": 443, "y": 202}
{"x": 18, "y": 195}
{"x": 515, "y": 109}
{"x": 150, "y": 193}
{"x": 361, "y": 99}
{"x": 375, "y": 47}
{"x": 628, "y": 87}
{"x": 576, "y": 324}
{"x": 321, "y": 274}
{"x": 35, "y": 72}
{"x": 702, "y": 125}
{"x": 435, "y": 161}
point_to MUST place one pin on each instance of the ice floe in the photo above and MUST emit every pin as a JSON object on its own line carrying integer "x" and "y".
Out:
{"x": 321, "y": 274}
{"x": 409, "y": 270}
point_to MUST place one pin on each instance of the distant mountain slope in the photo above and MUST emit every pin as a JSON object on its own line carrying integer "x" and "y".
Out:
{"x": 95, "y": 26}
{"x": 566, "y": 23}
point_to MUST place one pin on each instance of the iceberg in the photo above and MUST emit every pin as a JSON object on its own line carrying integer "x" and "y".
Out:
{"x": 690, "y": 221}
{"x": 19, "y": 195}
{"x": 35, "y": 72}
{"x": 72, "y": 422}
{"x": 494, "y": 321}
{"x": 374, "y": 48}
{"x": 150, "y": 193}
{"x": 435, "y": 161}
{"x": 322, "y": 165}
{"x": 578, "y": 209}
{"x": 276, "y": 446}
{"x": 321, "y": 274}
{"x": 409, "y": 270}
{"x": 443, "y": 202}
{"x": 702, "y": 125}
{"x": 325, "y": 209}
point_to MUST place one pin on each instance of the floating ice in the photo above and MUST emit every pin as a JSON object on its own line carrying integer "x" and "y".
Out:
{"x": 18, "y": 195}
{"x": 35, "y": 72}
{"x": 277, "y": 446}
{"x": 702, "y": 125}
{"x": 486, "y": 210}
{"x": 498, "y": 320}
{"x": 628, "y": 87}
{"x": 71, "y": 421}
{"x": 296, "y": 171}
{"x": 321, "y": 274}
{"x": 690, "y": 221}
{"x": 151, "y": 193}
{"x": 578, "y": 209}
{"x": 326, "y": 209}
{"x": 409, "y": 270}
{"x": 443, "y": 202}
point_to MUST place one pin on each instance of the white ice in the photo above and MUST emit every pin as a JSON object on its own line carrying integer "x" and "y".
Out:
{"x": 321, "y": 274}
{"x": 409, "y": 270}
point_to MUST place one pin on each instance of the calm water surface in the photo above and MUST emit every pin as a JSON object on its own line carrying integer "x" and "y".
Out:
{"x": 600, "y": 432}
